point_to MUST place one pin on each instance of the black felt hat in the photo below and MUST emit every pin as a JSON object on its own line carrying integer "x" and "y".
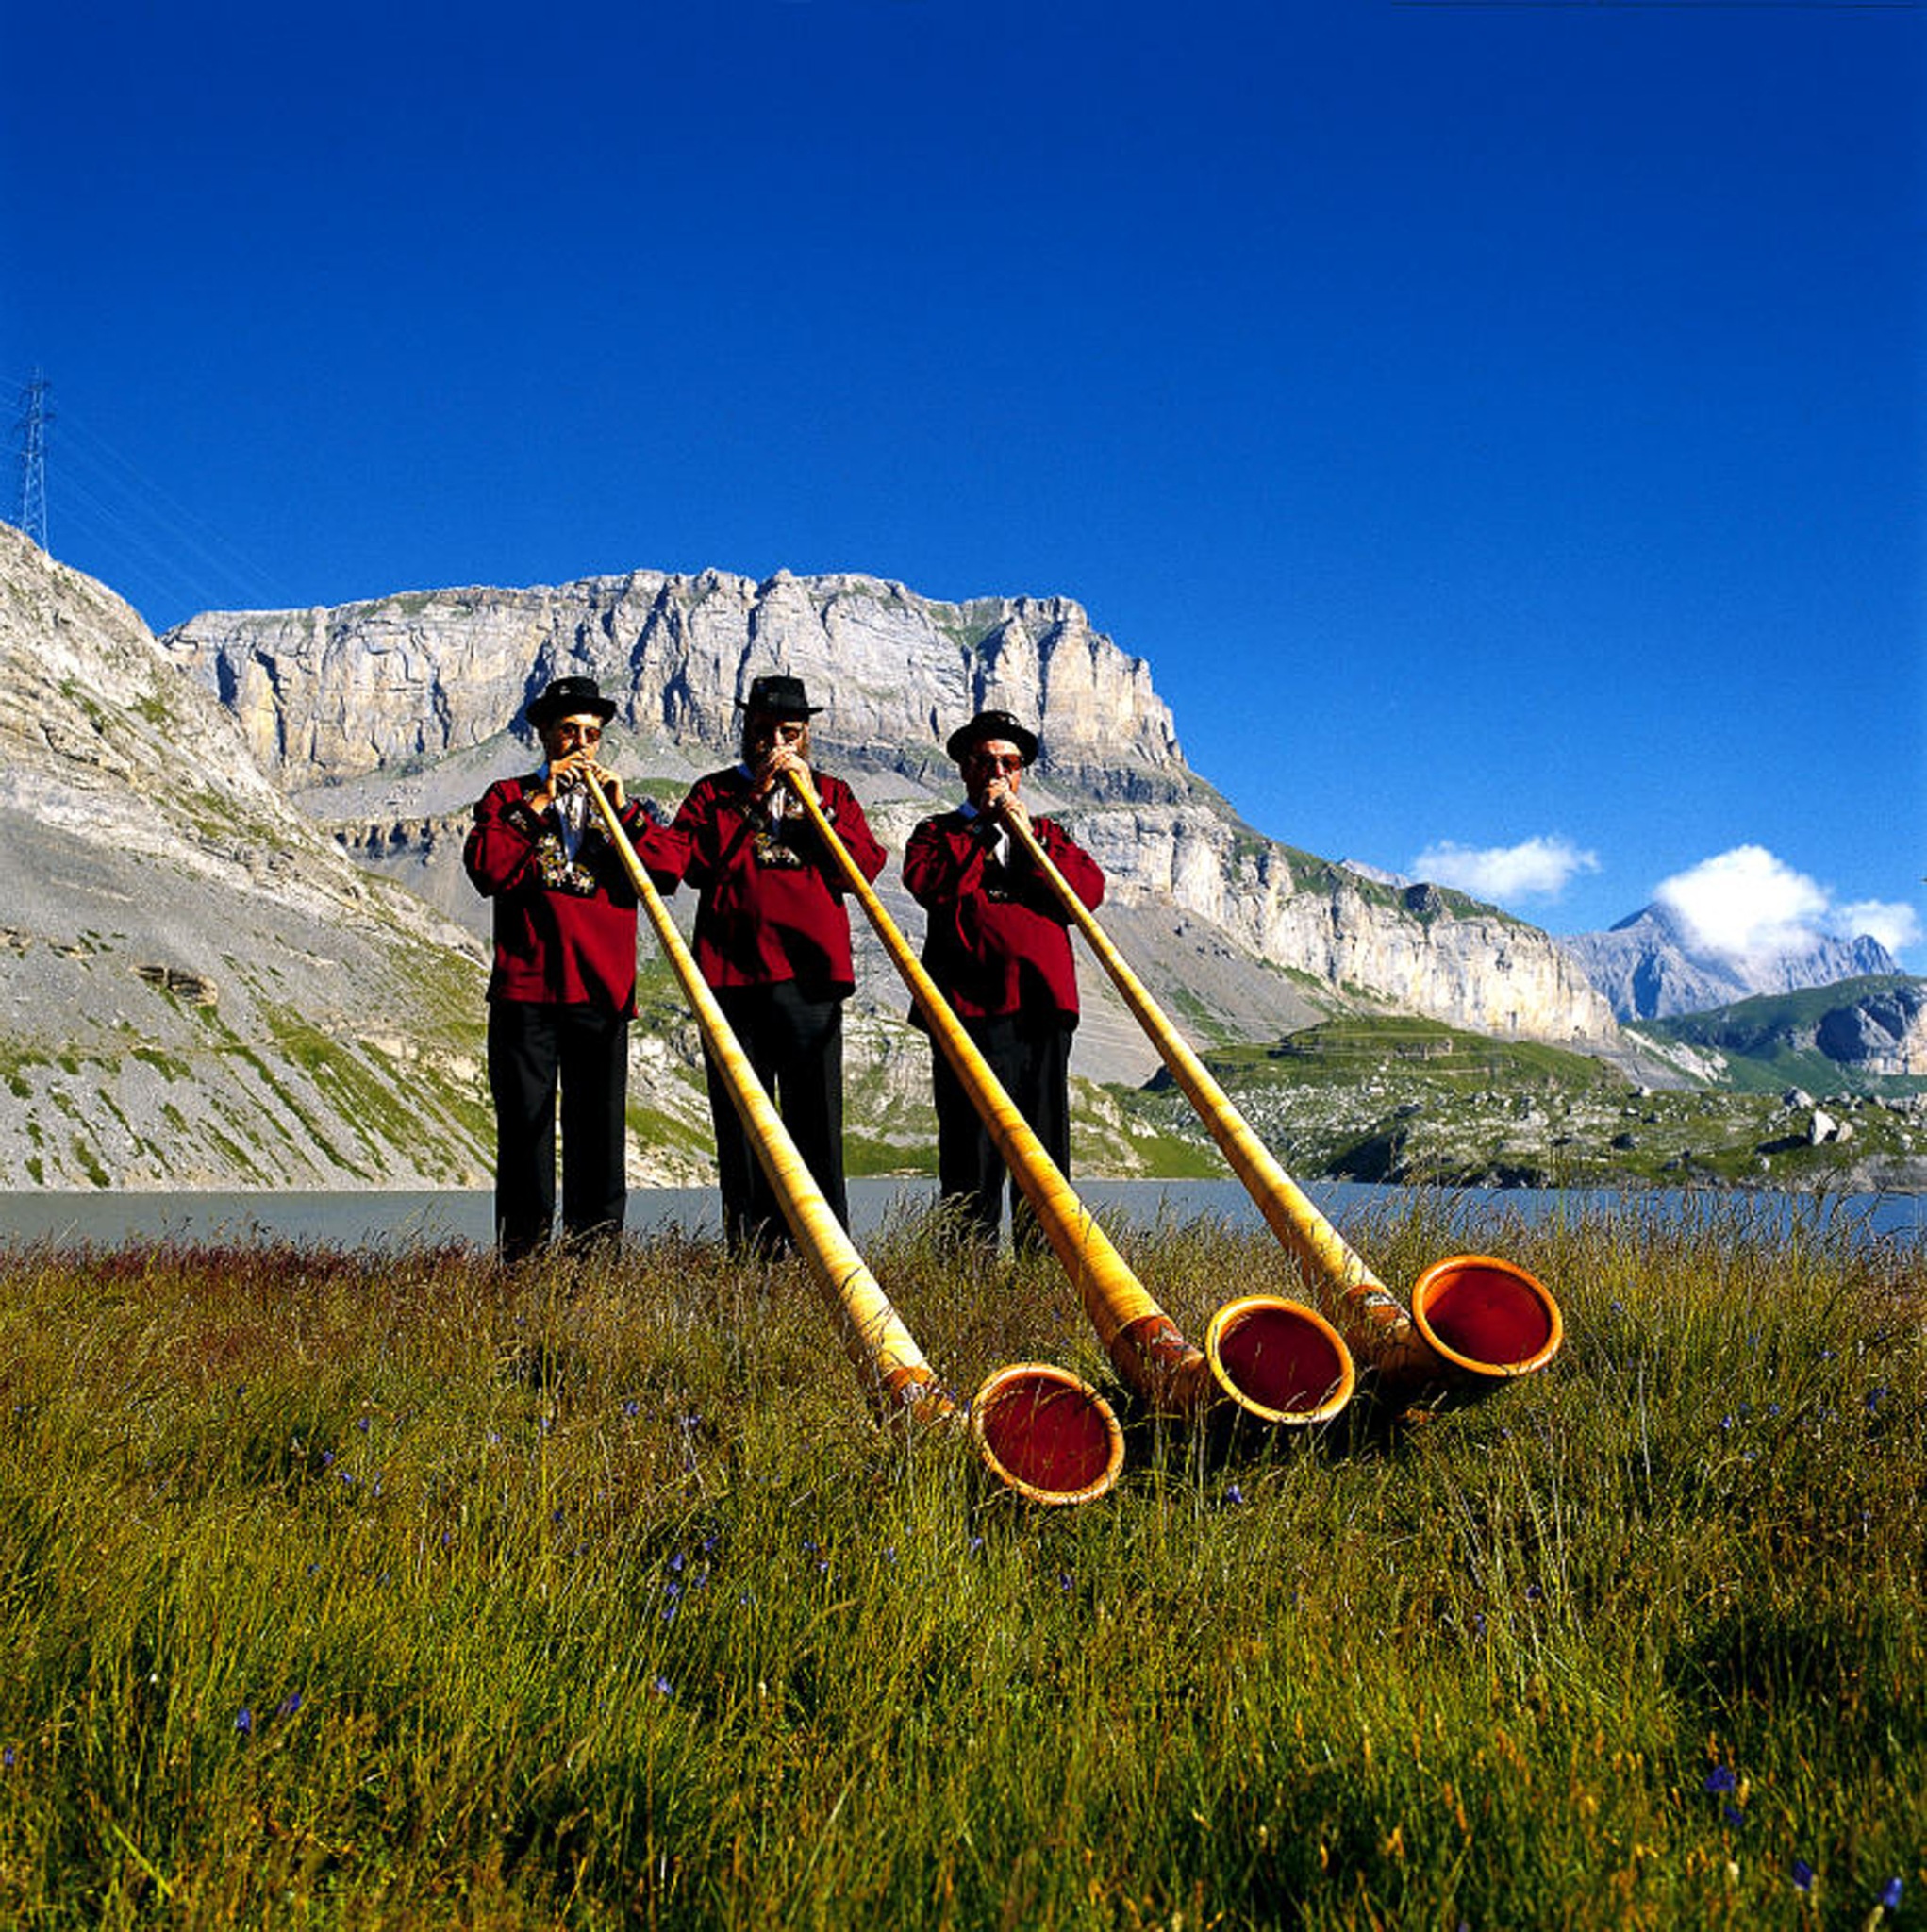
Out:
{"x": 964, "y": 741}
{"x": 778, "y": 697}
{"x": 570, "y": 697}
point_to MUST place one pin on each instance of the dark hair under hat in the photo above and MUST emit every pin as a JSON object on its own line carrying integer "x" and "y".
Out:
{"x": 779, "y": 697}
{"x": 964, "y": 741}
{"x": 570, "y": 697}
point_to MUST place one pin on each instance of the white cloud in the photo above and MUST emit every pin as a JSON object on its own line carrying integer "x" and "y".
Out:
{"x": 1538, "y": 869}
{"x": 1750, "y": 906}
{"x": 1895, "y": 925}
{"x": 1746, "y": 905}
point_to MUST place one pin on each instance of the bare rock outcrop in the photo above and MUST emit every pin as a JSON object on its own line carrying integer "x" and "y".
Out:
{"x": 328, "y": 694}
{"x": 1882, "y": 1032}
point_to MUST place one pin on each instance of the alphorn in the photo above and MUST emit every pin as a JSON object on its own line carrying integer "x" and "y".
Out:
{"x": 1276, "y": 1360}
{"x": 1475, "y": 1322}
{"x": 1039, "y": 1430}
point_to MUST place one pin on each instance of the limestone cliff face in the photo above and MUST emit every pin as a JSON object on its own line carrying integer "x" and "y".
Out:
{"x": 1430, "y": 951}
{"x": 323, "y": 695}
{"x": 348, "y": 697}
{"x": 1883, "y": 1032}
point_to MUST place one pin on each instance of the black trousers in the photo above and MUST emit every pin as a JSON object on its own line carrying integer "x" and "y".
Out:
{"x": 531, "y": 1048}
{"x": 1031, "y": 1057}
{"x": 795, "y": 1043}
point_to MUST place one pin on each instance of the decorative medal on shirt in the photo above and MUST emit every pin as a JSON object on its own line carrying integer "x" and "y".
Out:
{"x": 558, "y": 847}
{"x": 780, "y": 826}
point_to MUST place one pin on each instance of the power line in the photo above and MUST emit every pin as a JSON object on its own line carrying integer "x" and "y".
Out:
{"x": 119, "y": 525}
{"x": 132, "y": 511}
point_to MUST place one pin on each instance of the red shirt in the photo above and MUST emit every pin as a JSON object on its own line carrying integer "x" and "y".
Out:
{"x": 565, "y": 929}
{"x": 769, "y": 901}
{"x": 998, "y": 939}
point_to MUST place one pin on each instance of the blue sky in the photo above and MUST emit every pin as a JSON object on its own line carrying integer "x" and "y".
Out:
{"x": 1499, "y": 424}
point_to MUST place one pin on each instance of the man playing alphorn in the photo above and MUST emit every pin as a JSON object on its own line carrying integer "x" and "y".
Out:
{"x": 563, "y": 989}
{"x": 772, "y": 942}
{"x": 999, "y": 949}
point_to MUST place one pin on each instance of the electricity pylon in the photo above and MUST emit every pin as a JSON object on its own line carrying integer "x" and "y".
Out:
{"x": 34, "y": 418}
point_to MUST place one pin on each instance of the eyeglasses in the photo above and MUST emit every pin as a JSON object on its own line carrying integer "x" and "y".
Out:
{"x": 997, "y": 761}
{"x": 582, "y": 734}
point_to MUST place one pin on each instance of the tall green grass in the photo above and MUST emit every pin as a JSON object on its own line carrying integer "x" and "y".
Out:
{"x": 384, "y": 1588}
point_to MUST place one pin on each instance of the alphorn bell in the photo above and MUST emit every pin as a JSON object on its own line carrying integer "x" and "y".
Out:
{"x": 1475, "y": 1322}
{"x": 1276, "y": 1360}
{"x": 1039, "y": 1430}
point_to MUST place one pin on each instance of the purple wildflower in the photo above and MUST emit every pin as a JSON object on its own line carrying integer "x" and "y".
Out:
{"x": 1890, "y": 1897}
{"x": 244, "y": 1721}
{"x": 1802, "y": 1875}
{"x": 288, "y": 1705}
{"x": 1720, "y": 1778}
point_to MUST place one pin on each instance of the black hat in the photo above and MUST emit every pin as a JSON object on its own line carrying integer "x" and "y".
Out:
{"x": 569, "y": 697}
{"x": 985, "y": 725}
{"x": 778, "y": 697}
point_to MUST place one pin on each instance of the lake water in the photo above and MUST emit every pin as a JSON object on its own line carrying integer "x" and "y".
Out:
{"x": 358, "y": 1219}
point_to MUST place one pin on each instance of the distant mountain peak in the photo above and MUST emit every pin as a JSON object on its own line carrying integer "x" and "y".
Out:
{"x": 1651, "y": 965}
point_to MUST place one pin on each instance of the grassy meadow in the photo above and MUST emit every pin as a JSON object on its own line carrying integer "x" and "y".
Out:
{"x": 384, "y": 1588}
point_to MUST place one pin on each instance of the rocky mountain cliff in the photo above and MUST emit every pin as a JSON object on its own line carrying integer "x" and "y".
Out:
{"x": 328, "y": 694}
{"x": 383, "y": 717}
{"x": 1871, "y": 1028}
{"x": 197, "y": 988}
{"x": 1649, "y": 967}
